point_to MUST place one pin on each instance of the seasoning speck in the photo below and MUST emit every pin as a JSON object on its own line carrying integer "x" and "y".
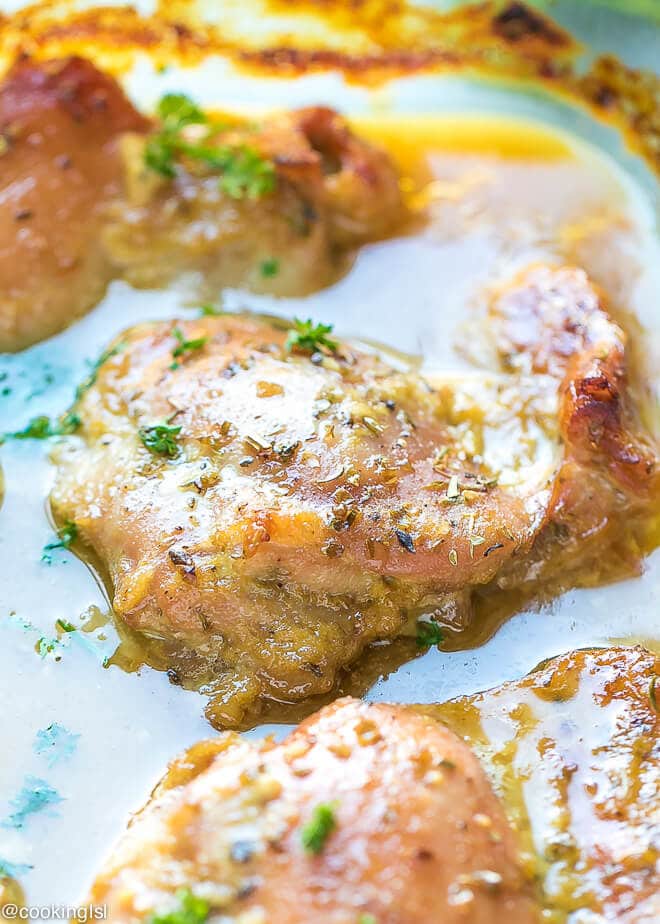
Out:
{"x": 406, "y": 540}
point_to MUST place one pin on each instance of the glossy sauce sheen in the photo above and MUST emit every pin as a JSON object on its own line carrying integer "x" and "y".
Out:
{"x": 307, "y": 506}
{"x": 417, "y": 833}
{"x": 559, "y": 202}
{"x": 572, "y": 750}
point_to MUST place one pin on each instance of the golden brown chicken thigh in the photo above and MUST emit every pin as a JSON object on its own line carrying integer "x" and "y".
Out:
{"x": 380, "y": 813}
{"x": 327, "y": 191}
{"x": 90, "y": 190}
{"x": 364, "y": 813}
{"x": 270, "y": 511}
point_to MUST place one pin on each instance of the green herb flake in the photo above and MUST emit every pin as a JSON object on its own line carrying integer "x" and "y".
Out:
{"x": 35, "y": 797}
{"x": 176, "y": 110}
{"x": 319, "y": 828}
{"x": 55, "y": 743}
{"x": 69, "y": 423}
{"x": 67, "y": 535}
{"x": 367, "y": 919}
{"x": 43, "y": 428}
{"x": 159, "y": 153}
{"x": 269, "y": 268}
{"x": 161, "y": 439}
{"x": 653, "y": 695}
{"x": 210, "y": 311}
{"x": 190, "y": 909}
{"x": 243, "y": 171}
{"x": 185, "y": 347}
{"x": 305, "y": 336}
{"x": 39, "y": 428}
{"x": 428, "y": 634}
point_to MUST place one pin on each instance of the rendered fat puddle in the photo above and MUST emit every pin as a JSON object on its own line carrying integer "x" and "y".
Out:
{"x": 417, "y": 294}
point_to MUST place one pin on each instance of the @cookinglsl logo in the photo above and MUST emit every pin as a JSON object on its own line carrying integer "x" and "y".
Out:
{"x": 80, "y": 913}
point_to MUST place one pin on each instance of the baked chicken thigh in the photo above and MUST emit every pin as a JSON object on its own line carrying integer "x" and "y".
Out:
{"x": 364, "y": 813}
{"x": 91, "y": 190}
{"x": 269, "y": 503}
{"x": 380, "y": 813}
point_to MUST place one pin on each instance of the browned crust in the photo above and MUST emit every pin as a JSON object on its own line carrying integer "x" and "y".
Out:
{"x": 586, "y": 351}
{"x": 72, "y": 85}
{"x": 500, "y": 39}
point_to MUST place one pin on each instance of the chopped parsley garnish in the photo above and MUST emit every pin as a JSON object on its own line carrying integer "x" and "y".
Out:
{"x": 67, "y": 533}
{"x": 319, "y": 828}
{"x": 39, "y": 428}
{"x": 159, "y": 156}
{"x": 309, "y": 337}
{"x": 36, "y": 796}
{"x": 55, "y": 743}
{"x": 246, "y": 173}
{"x": 269, "y": 268}
{"x": 69, "y": 423}
{"x": 46, "y": 645}
{"x": 210, "y": 311}
{"x": 191, "y": 909}
{"x": 243, "y": 171}
{"x": 653, "y": 696}
{"x": 177, "y": 110}
{"x": 161, "y": 439}
{"x": 367, "y": 919}
{"x": 428, "y": 634}
{"x": 42, "y": 427}
{"x": 185, "y": 347}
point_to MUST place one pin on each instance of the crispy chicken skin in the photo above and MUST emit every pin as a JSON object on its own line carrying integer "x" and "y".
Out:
{"x": 418, "y": 835}
{"x": 79, "y": 207}
{"x": 314, "y": 504}
{"x": 574, "y": 751}
{"x": 59, "y": 166}
{"x": 333, "y": 191}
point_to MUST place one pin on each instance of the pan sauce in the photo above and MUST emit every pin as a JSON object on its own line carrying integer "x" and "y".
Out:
{"x": 495, "y": 194}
